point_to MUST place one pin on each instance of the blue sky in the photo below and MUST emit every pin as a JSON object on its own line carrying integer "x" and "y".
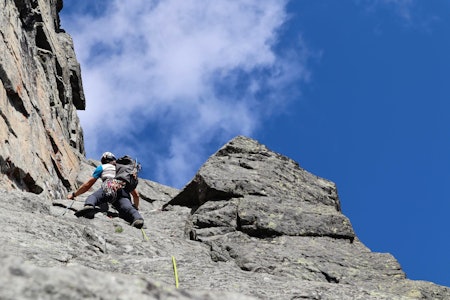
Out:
{"x": 355, "y": 91}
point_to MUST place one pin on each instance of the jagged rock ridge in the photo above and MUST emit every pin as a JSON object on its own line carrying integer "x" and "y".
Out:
{"x": 245, "y": 179}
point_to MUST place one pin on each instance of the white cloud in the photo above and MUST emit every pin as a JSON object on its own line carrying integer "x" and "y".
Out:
{"x": 182, "y": 73}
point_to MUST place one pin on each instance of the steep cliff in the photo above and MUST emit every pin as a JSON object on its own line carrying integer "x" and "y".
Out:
{"x": 251, "y": 224}
{"x": 40, "y": 91}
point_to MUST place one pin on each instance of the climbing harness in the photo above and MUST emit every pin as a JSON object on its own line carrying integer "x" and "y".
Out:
{"x": 110, "y": 187}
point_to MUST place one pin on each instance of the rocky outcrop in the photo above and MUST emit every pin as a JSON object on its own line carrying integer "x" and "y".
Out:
{"x": 40, "y": 91}
{"x": 264, "y": 213}
{"x": 252, "y": 224}
{"x": 264, "y": 193}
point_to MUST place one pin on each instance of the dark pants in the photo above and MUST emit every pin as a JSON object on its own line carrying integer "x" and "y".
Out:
{"x": 122, "y": 204}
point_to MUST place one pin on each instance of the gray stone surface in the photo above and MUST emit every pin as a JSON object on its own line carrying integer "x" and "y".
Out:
{"x": 48, "y": 253}
{"x": 265, "y": 193}
{"x": 263, "y": 212}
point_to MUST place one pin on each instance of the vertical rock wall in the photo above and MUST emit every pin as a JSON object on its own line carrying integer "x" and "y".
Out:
{"x": 40, "y": 90}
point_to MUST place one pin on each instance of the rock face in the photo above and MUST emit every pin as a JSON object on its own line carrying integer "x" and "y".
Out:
{"x": 252, "y": 224}
{"x": 265, "y": 214}
{"x": 266, "y": 194}
{"x": 40, "y": 91}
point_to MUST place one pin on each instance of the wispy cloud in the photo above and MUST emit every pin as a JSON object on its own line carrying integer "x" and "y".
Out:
{"x": 411, "y": 14}
{"x": 165, "y": 80}
{"x": 402, "y": 8}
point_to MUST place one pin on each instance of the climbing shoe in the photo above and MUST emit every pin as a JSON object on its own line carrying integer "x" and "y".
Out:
{"x": 86, "y": 211}
{"x": 139, "y": 223}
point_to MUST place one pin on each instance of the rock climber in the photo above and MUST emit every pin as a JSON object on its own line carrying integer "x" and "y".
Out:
{"x": 121, "y": 201}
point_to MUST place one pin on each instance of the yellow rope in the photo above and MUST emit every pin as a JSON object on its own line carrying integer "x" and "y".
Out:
{"x": 175, "y": 271}
{"x": 144, "y": 235}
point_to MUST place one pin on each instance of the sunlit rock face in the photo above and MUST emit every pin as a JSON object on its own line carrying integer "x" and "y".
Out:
{"x": 40, "y": 91}
{"x": 251, "y": 224}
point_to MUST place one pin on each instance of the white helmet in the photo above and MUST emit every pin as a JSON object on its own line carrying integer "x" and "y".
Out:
{"x": 107, "y": 157}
